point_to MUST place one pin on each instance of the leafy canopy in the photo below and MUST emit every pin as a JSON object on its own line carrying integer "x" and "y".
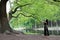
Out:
{"x": 40, "y": 9}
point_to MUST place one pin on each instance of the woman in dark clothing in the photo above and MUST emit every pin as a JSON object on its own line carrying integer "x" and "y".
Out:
{"x": 46, "y": 32}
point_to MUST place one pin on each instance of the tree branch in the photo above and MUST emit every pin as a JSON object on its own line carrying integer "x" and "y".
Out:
{"x": 19, "y": 7}
{"x": 12, "y": 12}
{"x": 56, "y": 0}
{"x": 25, "y": 15}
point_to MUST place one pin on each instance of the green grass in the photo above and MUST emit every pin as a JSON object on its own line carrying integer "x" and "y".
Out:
{"x": 30, "y": 33}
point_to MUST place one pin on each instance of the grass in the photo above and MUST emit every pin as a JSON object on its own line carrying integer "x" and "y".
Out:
{"x": 31, "y": 33}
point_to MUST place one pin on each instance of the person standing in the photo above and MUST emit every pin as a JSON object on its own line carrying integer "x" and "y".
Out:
{"x": 46, "y": 32}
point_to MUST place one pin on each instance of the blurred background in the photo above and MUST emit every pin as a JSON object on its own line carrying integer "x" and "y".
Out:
{"x": 28, "y": 16}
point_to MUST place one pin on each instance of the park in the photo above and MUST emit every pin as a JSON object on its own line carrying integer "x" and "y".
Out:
{"x": 29, "y": 19}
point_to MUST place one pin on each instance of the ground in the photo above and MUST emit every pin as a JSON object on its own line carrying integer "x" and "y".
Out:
{"x": 27, "y": 37}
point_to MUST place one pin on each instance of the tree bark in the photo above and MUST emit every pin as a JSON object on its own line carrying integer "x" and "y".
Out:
{"x": 3, "y": 17}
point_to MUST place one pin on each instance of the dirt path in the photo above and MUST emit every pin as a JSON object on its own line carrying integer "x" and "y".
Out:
{"x": 27, "y": 37}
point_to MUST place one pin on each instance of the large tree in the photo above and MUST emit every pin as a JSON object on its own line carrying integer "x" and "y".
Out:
{"x": 3, "y": 17}
{"x": 41, "y": 10}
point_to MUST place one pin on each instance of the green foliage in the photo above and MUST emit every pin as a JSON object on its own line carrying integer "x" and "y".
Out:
{"x": 40, "y": 9}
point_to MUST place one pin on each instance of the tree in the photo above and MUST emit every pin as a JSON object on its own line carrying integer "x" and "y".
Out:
{"x": 39, "y": 10}
{"x": 3, "y": 17}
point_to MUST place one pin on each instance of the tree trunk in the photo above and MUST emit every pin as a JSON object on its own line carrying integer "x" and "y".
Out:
{"x": 3, "y": 17}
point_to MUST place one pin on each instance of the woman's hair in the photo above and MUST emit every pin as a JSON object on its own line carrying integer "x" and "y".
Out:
{"x": 47, "y": 21}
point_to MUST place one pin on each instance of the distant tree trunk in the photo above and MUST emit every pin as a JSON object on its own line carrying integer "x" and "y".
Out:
{"x": 51, "y": 26}
{"x": 3, "y": 17}
{"x": 57, "y": 26}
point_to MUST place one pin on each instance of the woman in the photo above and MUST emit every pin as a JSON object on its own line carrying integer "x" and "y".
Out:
{"x": 46, "y": 32}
